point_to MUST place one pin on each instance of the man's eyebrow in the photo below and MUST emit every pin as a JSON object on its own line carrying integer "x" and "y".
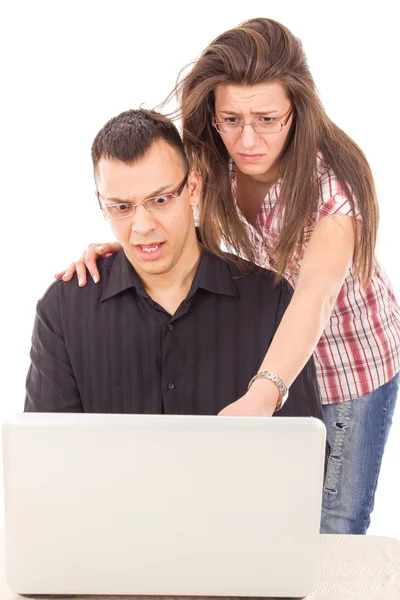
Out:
{"x": 253, "y": 112}
{"x": 160, "y": 190}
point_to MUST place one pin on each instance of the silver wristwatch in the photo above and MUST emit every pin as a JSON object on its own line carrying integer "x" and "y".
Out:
{"x": 283, "y": 390}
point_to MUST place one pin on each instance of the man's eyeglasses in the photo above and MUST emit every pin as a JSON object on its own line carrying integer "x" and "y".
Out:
{"x": 159, "y": 203}
{"x": 265, "y": 125}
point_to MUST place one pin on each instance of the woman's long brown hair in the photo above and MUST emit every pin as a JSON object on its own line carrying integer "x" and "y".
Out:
{"x": 264, "y": 51}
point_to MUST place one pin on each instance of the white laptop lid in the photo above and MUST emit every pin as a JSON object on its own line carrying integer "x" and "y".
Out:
{"x": 163, "y": 505}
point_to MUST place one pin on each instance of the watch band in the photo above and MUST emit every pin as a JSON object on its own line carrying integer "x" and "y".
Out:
{"x": 283, "y": 390}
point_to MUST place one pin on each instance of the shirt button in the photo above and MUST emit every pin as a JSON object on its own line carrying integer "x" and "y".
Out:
{"x": 170, "y": 327}
{"x": 171, "y": 385}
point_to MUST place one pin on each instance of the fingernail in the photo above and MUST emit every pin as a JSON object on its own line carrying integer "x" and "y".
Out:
{"x": 64, "y": 276}
{"x": 80, "y": 282}
{"x": 99, "y": 249}
{"x": 95, "y": 279}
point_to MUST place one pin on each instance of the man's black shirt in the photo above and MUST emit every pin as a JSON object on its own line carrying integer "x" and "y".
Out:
{"x": 109, "y": 348}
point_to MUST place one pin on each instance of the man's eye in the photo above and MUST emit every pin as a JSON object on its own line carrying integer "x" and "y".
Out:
{"x": 119, "y": 208}
{"x": 160, "y": 200}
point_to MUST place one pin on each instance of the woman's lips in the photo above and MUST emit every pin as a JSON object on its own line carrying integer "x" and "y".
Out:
{"x": 251, "y": 157}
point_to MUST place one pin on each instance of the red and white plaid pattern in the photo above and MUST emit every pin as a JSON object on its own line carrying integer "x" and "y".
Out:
{"x": 360, "y": 348}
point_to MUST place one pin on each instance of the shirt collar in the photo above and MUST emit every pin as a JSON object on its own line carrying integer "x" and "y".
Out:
{"x": 122, "y": 277}
{"x": 213, "y": 274}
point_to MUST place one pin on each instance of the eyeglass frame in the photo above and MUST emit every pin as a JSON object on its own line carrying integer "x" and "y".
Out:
{"x": 169, "y": 194}
{"x": 282, "y": 122}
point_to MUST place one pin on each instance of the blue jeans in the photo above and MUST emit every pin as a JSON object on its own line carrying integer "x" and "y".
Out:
{"x": 357, "y": 431}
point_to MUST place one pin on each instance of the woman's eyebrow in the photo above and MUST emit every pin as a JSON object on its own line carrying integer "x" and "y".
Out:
{"x": 253, "y": 112}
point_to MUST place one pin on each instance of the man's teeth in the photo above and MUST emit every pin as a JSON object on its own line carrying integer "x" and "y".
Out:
{"x": 148, "y": 249}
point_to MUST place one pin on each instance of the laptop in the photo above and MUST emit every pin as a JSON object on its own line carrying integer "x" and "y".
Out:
{"x": 162, "y": 505}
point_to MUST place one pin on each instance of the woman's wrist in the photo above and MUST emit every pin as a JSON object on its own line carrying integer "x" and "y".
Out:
{"x": 283, "y": 391}
{"x": 266, "y": 391}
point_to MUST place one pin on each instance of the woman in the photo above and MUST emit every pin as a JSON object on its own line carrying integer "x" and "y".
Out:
{"x": 283, "y": 186}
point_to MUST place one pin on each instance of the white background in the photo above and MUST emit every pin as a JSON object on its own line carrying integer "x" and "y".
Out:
{"x": 67, "y": 67}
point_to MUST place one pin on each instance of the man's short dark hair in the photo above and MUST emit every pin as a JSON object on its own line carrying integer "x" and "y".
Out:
{"x": 129, "y": 136}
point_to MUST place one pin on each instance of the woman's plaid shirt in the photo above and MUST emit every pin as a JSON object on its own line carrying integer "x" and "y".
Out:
{"x": 360, "y": 348}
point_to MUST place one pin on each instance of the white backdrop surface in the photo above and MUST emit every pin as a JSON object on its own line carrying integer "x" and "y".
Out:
{"x": 67, "y": 67}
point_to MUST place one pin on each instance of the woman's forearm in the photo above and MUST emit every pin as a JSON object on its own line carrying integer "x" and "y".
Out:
{"x": 298, "y": 334}
{"x": 324, "y": 268}
{"x": 294, "y": 342}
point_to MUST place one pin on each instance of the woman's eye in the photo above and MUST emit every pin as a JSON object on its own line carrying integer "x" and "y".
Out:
{"x": 266, "y": 120}
{"x": 231, "y": 120}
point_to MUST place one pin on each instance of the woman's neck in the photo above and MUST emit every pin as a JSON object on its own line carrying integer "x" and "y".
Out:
{"x": 251, "y": 191}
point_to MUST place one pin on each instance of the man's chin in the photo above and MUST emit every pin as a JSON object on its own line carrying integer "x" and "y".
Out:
{"x": 152, "y": 269}
{"x": 157, "y": 266}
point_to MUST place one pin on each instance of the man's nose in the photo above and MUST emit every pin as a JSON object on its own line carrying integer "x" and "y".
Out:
{"x": 143, "y": 221}
{"x": 249, "y": 138}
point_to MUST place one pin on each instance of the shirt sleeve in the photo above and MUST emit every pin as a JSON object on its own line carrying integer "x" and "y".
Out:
{"x": 333, "y": 198}
{"x": 50, "y": 383}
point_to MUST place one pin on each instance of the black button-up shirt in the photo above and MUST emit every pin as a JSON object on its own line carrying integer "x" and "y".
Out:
{"x": 110, "y": 348}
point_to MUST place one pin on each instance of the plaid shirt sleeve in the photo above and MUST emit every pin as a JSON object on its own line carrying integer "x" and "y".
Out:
{"x": 333, "y": 198}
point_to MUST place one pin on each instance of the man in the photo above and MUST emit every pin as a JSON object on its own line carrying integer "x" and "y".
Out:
{"x": 170, "y": 328}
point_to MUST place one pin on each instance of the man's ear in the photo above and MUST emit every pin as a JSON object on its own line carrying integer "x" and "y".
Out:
{"x": 96, "y": 192}
{"x": 194, "y": 187}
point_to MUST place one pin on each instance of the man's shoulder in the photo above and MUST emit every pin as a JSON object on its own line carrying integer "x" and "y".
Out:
{"x": 245, "y": 273}
{"x": 60, "y": 291}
